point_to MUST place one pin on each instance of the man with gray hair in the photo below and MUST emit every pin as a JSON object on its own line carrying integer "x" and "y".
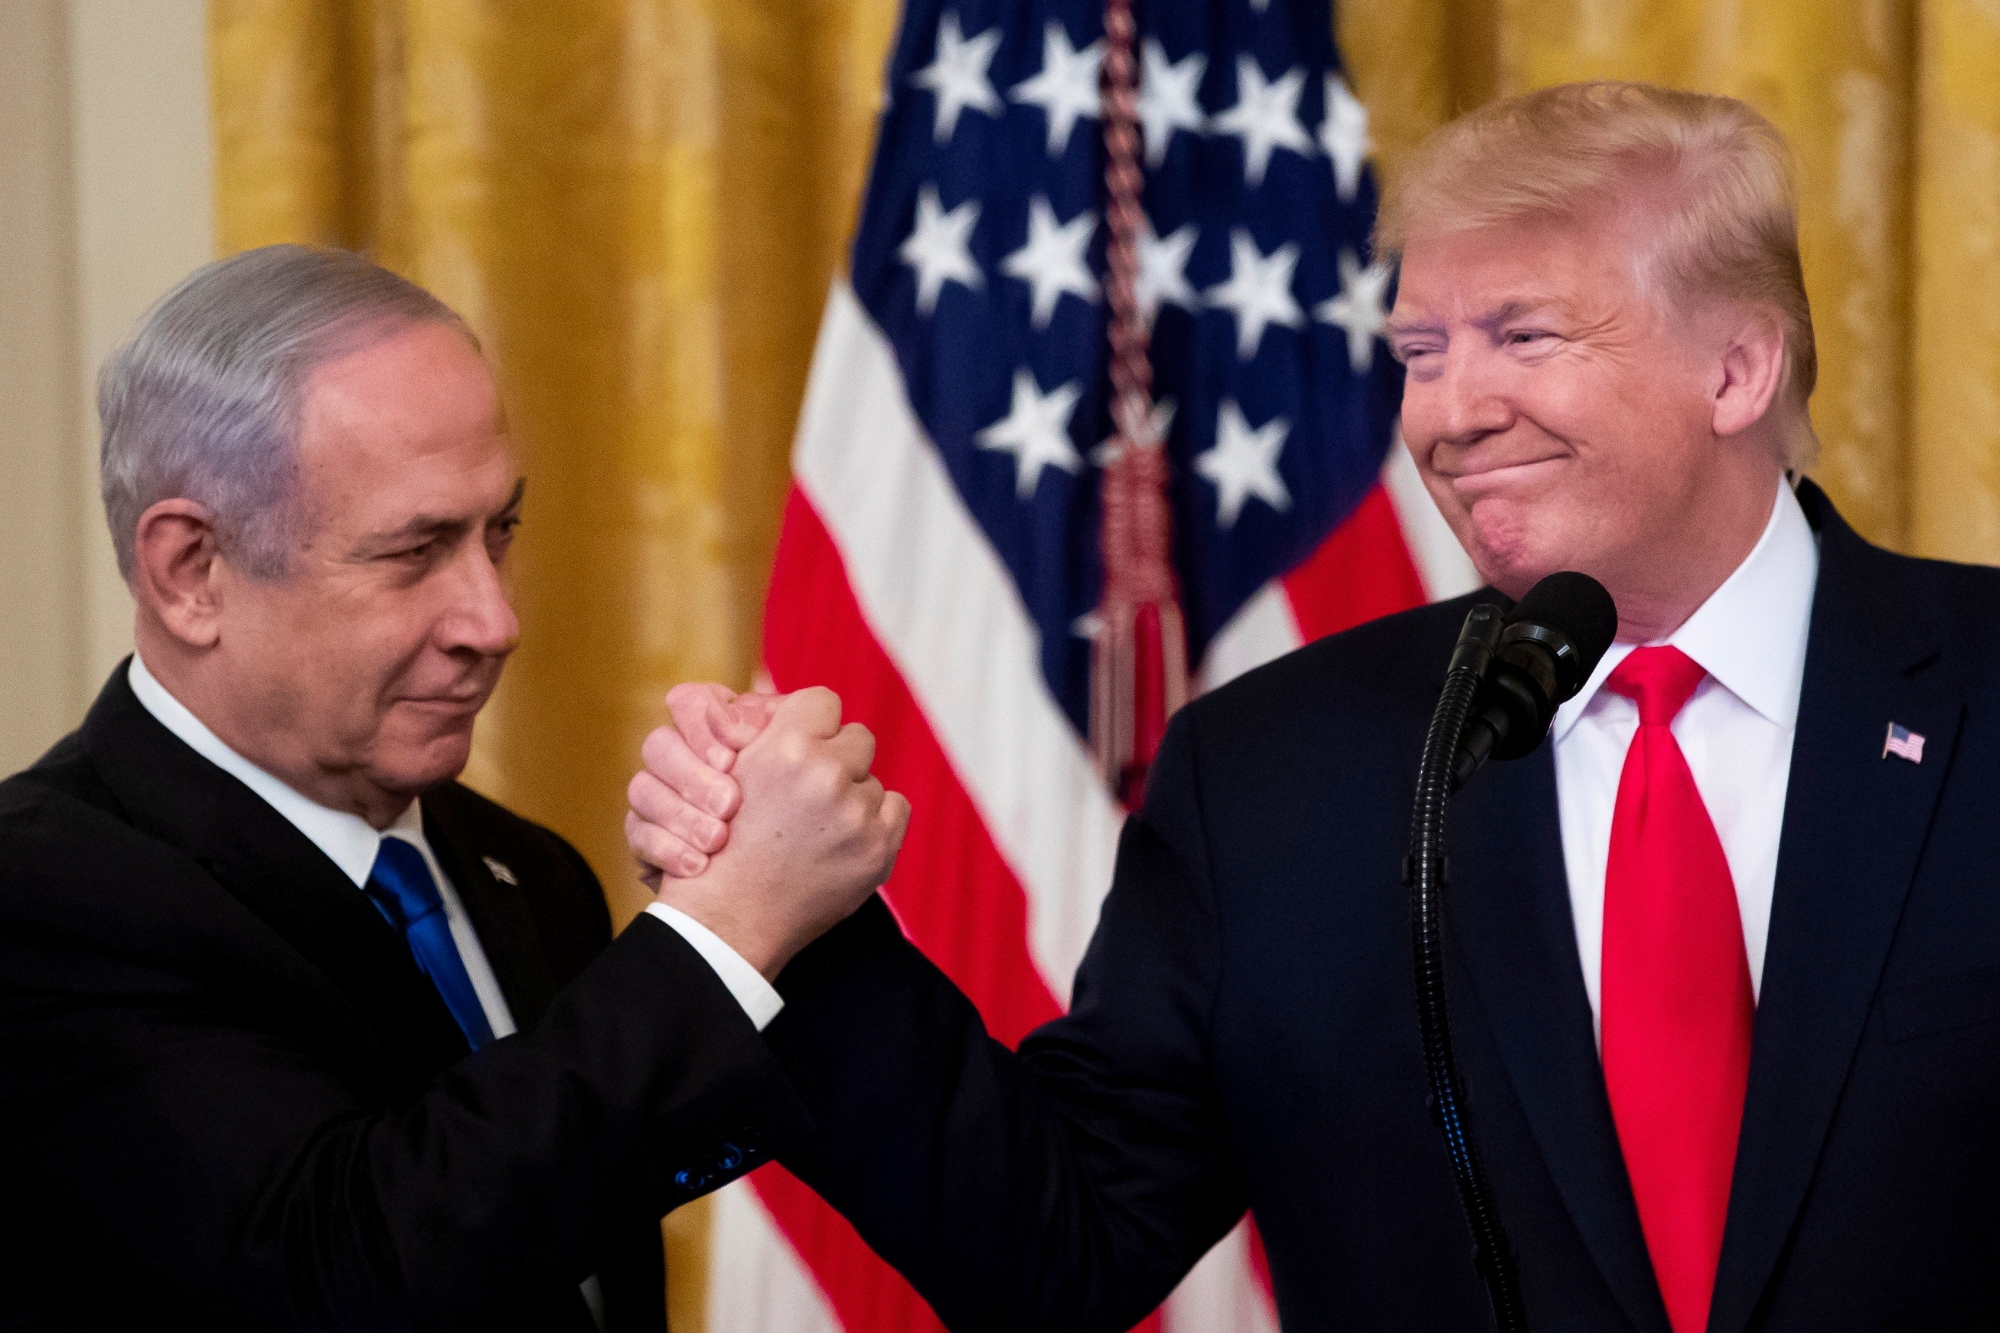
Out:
{"x": 295, "y": 1031}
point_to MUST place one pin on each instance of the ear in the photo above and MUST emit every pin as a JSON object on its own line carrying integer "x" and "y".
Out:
{"x": 175, "y": 564}
{"x": 1753, "y": 365}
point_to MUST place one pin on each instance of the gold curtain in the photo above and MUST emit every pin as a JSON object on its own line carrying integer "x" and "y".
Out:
{"x": 638, "y": 205}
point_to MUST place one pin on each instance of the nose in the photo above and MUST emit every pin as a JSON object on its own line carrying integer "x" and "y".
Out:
{"x": 1468, "y": 402}
{"x": 481, "y": 618}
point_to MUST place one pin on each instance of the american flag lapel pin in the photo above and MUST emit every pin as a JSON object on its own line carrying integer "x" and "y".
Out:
{"x": 1904, "y": 743}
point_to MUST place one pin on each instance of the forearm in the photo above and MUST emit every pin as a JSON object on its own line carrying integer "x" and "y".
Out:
{"x": 246, "y": 1180}
{"x": 624, "y": 1100}
{"x": 1012, "y": 1193}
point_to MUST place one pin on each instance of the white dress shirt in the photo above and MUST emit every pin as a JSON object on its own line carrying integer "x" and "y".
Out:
{"x": 352, "y": 844}
{"x": 1736, "y": 731}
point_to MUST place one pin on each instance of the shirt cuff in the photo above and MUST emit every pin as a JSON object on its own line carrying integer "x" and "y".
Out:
{"x": 759, "y": 998}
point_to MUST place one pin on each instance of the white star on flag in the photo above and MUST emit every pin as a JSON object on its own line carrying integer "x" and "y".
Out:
{"x": 1162, "y": 274}
{"x": 1167, "y": 98}
{"x": 957, "y": 74}
{"x": 936, "y": 248}
{"x": 1243, "y": 463}
{"x": 1265, "y": 117}
{"x": 1052, "y": 262}
{"x": 1344, "y": 135}
{"x": 1259, "y": 290}
{"x": 1067, "y": 86}
{"x": 1358, "y": 308}
{"x": 1151, "y": 434}
{"x": 1036, "y": 431}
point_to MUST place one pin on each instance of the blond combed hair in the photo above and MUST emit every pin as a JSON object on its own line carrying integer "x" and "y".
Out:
{"x": 1717, "y": 177}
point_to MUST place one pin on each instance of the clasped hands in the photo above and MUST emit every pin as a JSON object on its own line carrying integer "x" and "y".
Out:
{"x": 757, "y": 815}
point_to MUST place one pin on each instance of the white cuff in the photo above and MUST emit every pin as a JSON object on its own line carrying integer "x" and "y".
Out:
{"x": 760, "y": 999}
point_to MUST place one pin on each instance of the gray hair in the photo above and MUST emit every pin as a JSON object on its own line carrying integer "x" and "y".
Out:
{"x": 204, "y": 402}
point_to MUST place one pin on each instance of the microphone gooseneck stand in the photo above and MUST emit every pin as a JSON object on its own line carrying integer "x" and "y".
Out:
{"x": 1425, "y": 872}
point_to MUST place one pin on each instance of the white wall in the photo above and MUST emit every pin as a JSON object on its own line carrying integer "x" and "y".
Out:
{"x": 106, "y": 200}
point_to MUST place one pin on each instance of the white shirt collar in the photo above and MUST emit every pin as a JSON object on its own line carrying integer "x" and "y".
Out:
{"x": 347, "y": 839}
{"x": 1750, "y": 635}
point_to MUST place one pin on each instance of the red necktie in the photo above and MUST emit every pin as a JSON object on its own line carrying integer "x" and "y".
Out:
{"x": 1677, "y": 1005}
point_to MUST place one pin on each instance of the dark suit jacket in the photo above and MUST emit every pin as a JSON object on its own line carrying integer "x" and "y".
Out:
{"x": 229, "y": 1099}
{"x": 1243, "y": 1029}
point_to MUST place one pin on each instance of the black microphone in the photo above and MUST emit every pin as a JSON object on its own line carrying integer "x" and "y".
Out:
{"x": 1509, "y": 671}
{"x": 1547, "y": 647}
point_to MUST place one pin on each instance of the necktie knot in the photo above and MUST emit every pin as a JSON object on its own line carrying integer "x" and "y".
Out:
{"x": 1659, "y": 680}
{"x": 409, "y": 893}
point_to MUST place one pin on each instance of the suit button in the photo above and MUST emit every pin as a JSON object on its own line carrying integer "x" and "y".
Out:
{"x": 731, "y": 1158}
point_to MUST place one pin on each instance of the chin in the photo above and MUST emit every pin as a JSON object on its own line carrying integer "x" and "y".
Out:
{"x": 415, "y": 769}
{"x": 1504, "y": 557}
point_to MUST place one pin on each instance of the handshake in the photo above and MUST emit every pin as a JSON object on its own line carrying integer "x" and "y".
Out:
{"x": 757, "y": 816}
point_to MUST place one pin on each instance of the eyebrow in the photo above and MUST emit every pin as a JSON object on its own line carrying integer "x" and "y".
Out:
{"x": 1504, "y": 313}
{"x": 432, "y": 525}
{"x": 1403, "y": 328}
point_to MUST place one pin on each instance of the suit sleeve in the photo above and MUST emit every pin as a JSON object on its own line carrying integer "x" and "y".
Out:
{"x": 229, "y": 1168}
{"x": 1068, "y": 1187}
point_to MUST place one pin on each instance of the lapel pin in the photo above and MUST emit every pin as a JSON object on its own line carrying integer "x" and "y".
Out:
{"x": 1904, "y": 744}
{"x": 506, "y": 876}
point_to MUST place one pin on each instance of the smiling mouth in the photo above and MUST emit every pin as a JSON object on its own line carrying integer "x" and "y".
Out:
{"x": 449, "y": 703}
{"x": 1494, "y": 470}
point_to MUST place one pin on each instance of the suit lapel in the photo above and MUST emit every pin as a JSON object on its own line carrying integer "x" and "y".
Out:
{"x": 499, "y": 914}
{"x": 1855, "y": 824}
{"x": 281, "y": 876}
{"x": 1508, "y": 908}
{"x": 173, "y": 794}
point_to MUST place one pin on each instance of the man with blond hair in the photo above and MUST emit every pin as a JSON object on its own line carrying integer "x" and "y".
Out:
{"x": 1725, "y": 954}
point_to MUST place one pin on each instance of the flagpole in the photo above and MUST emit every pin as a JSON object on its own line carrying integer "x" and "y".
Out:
{"x": 1139, "y": 661}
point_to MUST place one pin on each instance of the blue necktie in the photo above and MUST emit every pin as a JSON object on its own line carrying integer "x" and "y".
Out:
{"x": 402, "y": 889}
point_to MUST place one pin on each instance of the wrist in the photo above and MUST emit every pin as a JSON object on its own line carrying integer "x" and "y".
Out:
{"x": 755, "y": 945}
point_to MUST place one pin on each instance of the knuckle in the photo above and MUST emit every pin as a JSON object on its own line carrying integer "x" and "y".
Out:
{"x": 704, "y": 831}
{"x": 651, "y": 798}
{"x": 658, "y": 745}
{"x": 824, "y": 781}
{"x": 653, "y": 844}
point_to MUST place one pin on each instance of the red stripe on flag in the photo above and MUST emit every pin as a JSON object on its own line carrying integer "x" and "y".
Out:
{"x": 1362, "y": 570}
{"x": 956, "y": 898}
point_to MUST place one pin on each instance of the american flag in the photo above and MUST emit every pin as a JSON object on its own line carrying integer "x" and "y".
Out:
{"x": 939, "y": 564}
{"x": 1904, "y": 743}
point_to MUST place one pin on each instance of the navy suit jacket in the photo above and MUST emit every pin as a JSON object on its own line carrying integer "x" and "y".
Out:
{"x": 1243, "y": 1031}
{"x": 229, "y": 1099}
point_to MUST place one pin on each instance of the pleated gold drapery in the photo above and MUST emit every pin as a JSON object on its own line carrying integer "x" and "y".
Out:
{"x": 638, "y": 205}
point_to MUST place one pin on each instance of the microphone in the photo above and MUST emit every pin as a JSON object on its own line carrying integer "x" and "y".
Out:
{"x": 1509, "y": 671}
{"x": 1546, "y": 648}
